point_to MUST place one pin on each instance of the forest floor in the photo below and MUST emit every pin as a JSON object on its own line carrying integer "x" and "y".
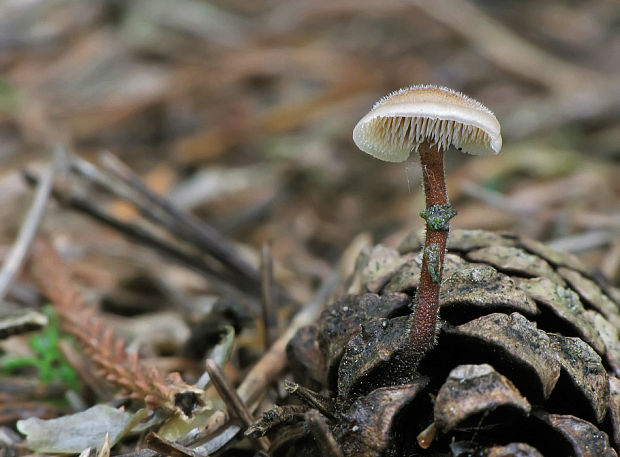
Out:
{"x": 240, "y": 115}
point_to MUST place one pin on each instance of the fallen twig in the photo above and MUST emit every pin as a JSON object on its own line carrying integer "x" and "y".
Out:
{"x": 199, "y": 233}
{"x": 583, "y": 241}
{"x": 492, "y": 39}
{"x": 594, "y": 100}
{"x": 19, "y": 250}
{"x": 230, "y": 397}
{"x": 267, "y": 296}
{"x": 166, "y": 447}
{"x": 211, "y": 446}
{"x": 147, "y": 238}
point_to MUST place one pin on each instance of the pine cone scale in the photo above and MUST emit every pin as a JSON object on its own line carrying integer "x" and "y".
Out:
{"x": 542, "y": 322}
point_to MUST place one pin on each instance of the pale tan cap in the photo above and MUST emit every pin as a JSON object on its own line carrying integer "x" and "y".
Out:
{"x": 402, "y": 120}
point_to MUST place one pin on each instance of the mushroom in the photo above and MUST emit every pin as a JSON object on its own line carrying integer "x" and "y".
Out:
{"x": 428, "y": 119}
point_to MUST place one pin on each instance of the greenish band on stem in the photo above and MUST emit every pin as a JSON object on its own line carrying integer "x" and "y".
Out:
{"x": 438, "y": 217}
{"x": 432, "y": 255}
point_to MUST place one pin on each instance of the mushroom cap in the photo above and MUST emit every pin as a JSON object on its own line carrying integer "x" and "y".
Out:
{"x": 402, "y": 120}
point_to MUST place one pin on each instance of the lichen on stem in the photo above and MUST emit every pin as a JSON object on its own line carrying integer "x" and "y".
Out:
{"x": 438, "y": 212}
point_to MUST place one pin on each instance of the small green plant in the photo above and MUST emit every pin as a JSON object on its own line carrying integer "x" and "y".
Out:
{"x": 47, "y": 359}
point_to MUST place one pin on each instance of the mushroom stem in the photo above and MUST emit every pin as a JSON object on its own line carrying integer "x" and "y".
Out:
{"x": 438, "y": 212}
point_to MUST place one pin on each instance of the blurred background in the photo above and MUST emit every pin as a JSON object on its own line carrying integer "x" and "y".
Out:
{"x": 241, "y": 113}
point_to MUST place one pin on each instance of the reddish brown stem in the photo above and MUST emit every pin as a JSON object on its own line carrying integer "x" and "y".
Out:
{"x": 423, "y": 320}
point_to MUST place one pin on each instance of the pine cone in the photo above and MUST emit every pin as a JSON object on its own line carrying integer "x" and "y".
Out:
{"x": 527, "y": 361}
